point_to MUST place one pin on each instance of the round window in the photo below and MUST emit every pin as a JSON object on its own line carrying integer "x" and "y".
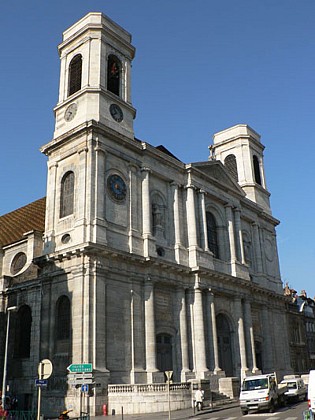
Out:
{"x": 18, "y": 262}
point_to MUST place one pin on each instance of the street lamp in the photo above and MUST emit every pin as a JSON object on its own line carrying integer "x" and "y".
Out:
{"x": 9, "y": 310}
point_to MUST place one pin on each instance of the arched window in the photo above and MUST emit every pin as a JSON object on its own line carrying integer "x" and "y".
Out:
{"x": 231, "y": 166}
{"x": 67, "y": 194}
{"x": 63, "y": 318}
{"x": 256, "y": 170}
{"x": 113, "y": 75}
{"x": 212, "y": 234}
{"x": 75, "y": 74}
{"x": 22, "y": 347}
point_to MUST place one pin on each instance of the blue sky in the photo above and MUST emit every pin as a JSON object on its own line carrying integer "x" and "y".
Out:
{"x": 201, "y": 66}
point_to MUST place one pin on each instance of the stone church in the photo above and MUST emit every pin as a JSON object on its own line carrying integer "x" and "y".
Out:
{"x": 134, "y": 261}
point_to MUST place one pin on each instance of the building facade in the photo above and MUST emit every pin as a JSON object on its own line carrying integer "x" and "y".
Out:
{"x": 137, "y": 262}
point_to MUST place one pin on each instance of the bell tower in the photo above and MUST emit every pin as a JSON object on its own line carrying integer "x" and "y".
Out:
{"x": 240, "y": 150}
{"x": 95, "y": 78}
{"x": 94, "y": 114}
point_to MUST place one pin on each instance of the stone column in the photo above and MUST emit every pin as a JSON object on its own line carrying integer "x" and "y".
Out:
{"x": 250, "y": 334}
{"x": 239, "y": 236}
{"x": 133, "y": 206}
{"x": 257, "y": 247}
{"x": 175, "y": 193}
{"x": 213, "y": 332}
{"x": 191, "y": 225}
{"x": 229, "y": 217}
{"x": 82, "y": 206}
{"x": 146, "y": 210}
{"x": 191, "y": 217}
{"x": 182, "y": 327}
{"x": 241, "y": 336}
{"x": 204, "y": 220}
{"x": 199, "y": 335}
{"x": 52, "y": 206}
{"x": 99, "y": 222}
{"x": 150, "y": 346}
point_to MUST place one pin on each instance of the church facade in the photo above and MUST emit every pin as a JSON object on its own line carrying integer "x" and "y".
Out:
{"x": 137, "y": 262}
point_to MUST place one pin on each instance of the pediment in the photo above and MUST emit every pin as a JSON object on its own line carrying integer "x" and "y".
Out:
{"x": 216, "y": 170}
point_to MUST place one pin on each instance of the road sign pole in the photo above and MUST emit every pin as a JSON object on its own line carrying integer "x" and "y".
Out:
{"x": 39, "y": 395}
{"x": 81, "y": 403}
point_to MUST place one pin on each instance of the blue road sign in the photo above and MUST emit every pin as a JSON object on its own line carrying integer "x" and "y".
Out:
{"x": 41, "y": 382}
{"x": 85, "y": 388}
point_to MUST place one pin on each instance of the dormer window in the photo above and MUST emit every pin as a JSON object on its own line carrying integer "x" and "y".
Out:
{"x": 113, "y": 75}
{"x": 75, "y": 74}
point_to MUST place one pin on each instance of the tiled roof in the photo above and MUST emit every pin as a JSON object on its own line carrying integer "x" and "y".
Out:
{"x": 30, "y": 217}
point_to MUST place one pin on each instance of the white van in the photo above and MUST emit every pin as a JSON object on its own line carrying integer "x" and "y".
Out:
{"x": 311, "y": 391}
{"x": 296, "y": 388}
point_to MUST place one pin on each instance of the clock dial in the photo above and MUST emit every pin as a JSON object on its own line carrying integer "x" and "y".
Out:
{"x": 117, "y": 187}
{"x": 116, "y": 112}
{"x": 70, "y": 112}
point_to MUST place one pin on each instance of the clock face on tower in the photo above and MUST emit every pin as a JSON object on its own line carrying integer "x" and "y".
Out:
{"x": 116, "y": 112}
{"x": 71, "y": 111}
{"x": 116, "y": 187}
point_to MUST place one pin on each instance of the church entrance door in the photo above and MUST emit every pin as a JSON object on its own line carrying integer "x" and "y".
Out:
{"x": 225, "y": 345}
{"x": 164, "y": 352}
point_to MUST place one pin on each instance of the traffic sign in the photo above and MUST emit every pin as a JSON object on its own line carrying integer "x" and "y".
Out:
{"x": 73, "y": 376}
{"x": 80, "y": 381}
{"x": 45, "y": 369}
{"x": 41, "y": 382}
{"x": 85, "y": 388}
{"x": 80, "y": 378}
{"x": 80, "y": 367}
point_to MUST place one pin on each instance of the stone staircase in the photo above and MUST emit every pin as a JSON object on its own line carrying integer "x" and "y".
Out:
{"x": 219, "y": 399}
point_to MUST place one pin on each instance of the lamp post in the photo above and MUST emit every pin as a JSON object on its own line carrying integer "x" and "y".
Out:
{"x": 9, "y": 310}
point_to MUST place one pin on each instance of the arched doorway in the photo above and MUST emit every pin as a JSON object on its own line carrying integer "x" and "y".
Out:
{"x": 224, "y": 344}
{"x": 164, "y": 352}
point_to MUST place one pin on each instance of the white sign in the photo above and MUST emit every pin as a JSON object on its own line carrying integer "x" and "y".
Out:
{"x": 45, "y": 369}
{"x": 168, "y": 374}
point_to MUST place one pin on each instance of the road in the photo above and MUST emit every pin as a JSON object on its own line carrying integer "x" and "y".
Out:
{"x": 291, "y": 412}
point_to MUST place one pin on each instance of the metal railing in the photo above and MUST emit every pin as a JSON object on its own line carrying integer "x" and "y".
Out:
{"x": 21, "y": 415}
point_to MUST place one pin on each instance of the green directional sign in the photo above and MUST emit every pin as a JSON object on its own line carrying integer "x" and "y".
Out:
{"x": 80, "y": 367}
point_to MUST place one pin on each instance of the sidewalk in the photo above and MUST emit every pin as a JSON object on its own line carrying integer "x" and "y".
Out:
{"x": 175, "y": 415}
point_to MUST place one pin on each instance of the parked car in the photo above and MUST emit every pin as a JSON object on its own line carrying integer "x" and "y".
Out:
{"x": 296, "y": 388}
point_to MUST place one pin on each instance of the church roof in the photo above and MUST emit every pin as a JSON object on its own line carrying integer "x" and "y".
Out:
{"x": 25, "y": 219}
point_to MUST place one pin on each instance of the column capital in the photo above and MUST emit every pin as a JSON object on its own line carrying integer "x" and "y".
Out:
{"x": 210, "y": 294}
{"x": 99, "y": 146}
{"x": 175, "y": 184}
{"x": 53, "y": 165}
{"x": 228, "y": 205}
{"x": 145, "y": 169}
{"x": 188, "y": 186}
{"x": 83, "y": 149}
{"x": 133, "y": 168}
